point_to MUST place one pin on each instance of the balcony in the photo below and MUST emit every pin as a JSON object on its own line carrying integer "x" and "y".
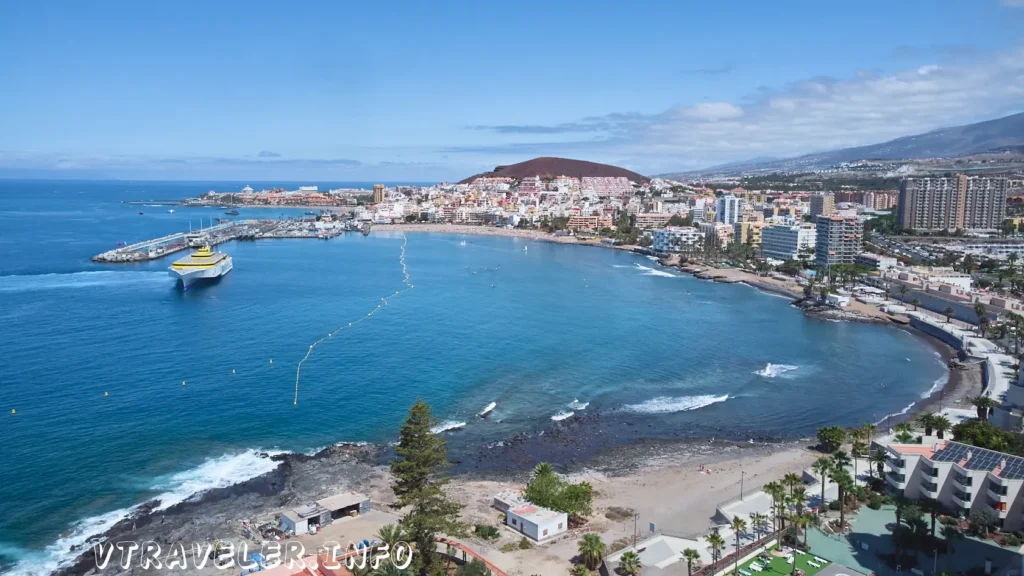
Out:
{"x": 897, "y": 464}
{"x": 996, "y": 493}
{"x": 896, "y": 480}
{"x": 962, "y": 499}
{"x": 999, "y": 507}
{"x": 930, "y": 489}
{"x": 963, "y": 481}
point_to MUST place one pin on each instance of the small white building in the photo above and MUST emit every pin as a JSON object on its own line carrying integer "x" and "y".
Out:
{"x": 536, "y": 522}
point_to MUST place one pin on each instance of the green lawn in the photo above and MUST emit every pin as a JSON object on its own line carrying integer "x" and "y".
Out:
{"x": 779, "y": 566}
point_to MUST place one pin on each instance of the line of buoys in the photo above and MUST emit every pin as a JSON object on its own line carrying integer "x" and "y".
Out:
{"x": 384, "y": 302}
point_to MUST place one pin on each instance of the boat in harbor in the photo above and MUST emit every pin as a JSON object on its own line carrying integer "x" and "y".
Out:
{"x": 365, "y": 229}
{"x": 204, "y": 264}
{"x": 171, "y": 211}
{"x": 488, "y": 409}
{"x": 232, "y": 212}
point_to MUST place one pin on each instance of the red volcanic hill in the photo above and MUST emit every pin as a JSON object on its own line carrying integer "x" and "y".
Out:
{"x": 547, "y": 167}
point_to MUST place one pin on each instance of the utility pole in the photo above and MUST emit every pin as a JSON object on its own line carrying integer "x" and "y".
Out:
{"x": 742, "y": 472}
{"x": 635, "y": 518}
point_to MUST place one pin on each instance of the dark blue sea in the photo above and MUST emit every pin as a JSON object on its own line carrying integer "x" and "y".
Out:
{"x": 92, "y": 357}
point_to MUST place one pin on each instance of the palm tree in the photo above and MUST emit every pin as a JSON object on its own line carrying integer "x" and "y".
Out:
{"x": 757, "y": 521}
{"x": 903, "y": 292}
{"x": 579, "y": 570}
{"x": 629, "y": 563}
{"x": 803, "y": 522}
{"x": 900, "y": 502}
{"x": 845, "y": 483}
{"x": 716, "y": 543}
{"x": 776, "y": 491}
{"x": 799, "y": 498}
{"x": 858, "y": 449}
{"x": 984, "y": 404}
{"x": 982, "y": 313}
{"x": 591, "y": 549}
{"x": 738, "y": 526}
{"x": 878, "y": 457}
{"x": 390, "y": 534}
{"x": 950, "y": 533}
{"x": 916, "y": 302}
{"x": 927, "y": 421}
{"x": 822, "y": 466}
{"x": 791, "y": 480}
{"x": 869, "y": 431}
{"x": 691, "y": 556}
{"x": 941, "y": 425}
{"x": 904, "y": 433}
{"x": 841, "y": 460}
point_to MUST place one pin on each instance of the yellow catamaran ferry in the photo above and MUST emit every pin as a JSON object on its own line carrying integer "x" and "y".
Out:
{"x": 204, "y": 264}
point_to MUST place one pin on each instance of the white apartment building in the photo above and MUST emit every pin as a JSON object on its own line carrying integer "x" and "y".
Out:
{"x": 727, "y": 209}
{"x": 961, "y": 477}
{"x": 786, "y": 242}
{"x": 676, "y": 238}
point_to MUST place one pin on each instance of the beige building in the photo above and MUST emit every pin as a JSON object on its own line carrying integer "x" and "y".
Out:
{"x": 958, "y": 203}
{"x": 748, "y": 232}
{"x": 822, "y": 205}
{"x": 379, "y": 195}
{"x": 649, "y": 220}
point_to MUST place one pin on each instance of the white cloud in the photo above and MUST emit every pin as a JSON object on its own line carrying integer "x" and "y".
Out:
{"x": 814, "y": 115}
{"x": 1013, "y": 3}
{"x": 711, "y": 111}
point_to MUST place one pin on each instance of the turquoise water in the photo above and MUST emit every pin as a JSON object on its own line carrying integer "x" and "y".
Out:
{"x": 531, "y": 330}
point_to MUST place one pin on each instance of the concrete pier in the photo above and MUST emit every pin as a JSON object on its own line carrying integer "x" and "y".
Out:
{"x": 225, "y": 232}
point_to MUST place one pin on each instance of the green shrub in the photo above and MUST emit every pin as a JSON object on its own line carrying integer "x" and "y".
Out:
{"x": 509, "y": 547}
{"x": 834, "y": 505}
{"x": 1012, "y": 540}
{"x": 525, "y": 544}
{"x": 486, "y": 532}
{"x": 875, "y": 502}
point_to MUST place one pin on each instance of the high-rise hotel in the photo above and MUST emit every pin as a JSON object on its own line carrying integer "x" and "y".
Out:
{"x": 957, "y": 203}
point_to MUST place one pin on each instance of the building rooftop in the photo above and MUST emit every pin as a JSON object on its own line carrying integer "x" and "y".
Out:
{"x": 343, "y": 500}
{"x": 536, "y": 514}
{"x": 981, "y": 459}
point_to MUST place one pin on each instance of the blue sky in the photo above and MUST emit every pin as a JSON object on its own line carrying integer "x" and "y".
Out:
{"x": 438, "y": 90}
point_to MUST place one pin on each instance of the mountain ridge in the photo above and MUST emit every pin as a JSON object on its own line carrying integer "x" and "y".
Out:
{"x": 980, "y": 137}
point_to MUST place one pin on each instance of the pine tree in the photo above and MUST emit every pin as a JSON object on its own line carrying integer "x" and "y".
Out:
{"x": 420, "y": 471}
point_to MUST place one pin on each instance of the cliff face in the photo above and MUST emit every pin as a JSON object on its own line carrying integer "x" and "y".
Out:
{"x": 548, "y": 167}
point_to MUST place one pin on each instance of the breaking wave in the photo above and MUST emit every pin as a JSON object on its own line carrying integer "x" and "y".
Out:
{"x": 562, "y": 416}
{"x": 446, "y": 426}
{"x": 653, "y": 272}
{"x": 577, "y": 405}
{"x": 217, "y": 472}
{"x": 773, "y": 370}
{"x": 668, "y": 404}
{"x": 220, "y": 472}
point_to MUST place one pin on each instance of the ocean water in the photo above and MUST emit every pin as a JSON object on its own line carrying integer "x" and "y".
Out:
{"x": 93, "y": 357}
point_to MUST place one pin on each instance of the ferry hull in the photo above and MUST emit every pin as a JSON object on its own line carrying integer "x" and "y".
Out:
{"x": 187, "y": 278}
